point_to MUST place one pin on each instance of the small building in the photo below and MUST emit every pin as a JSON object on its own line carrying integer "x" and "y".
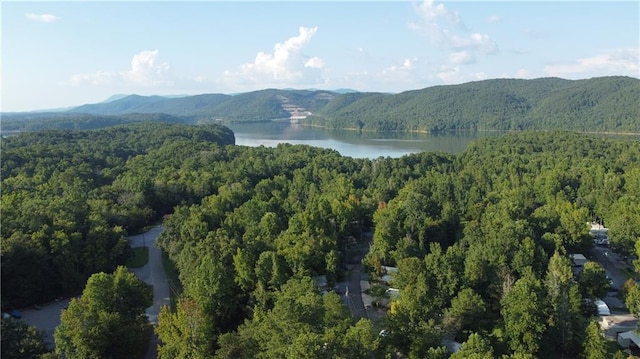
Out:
{"x": 599, "y": 233}
{"x": 389, "y": 272}
{"x": 603, "y": 308}
{"x": 629, "y": 339}
{"x": 392, "y": 292}
{"x": 578, "y": 259}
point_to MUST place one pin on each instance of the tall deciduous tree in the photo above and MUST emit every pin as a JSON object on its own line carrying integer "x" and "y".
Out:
{"x": 108, "y": 320}
{"x": 565, "y": 319}
{"x": 523, "y": 311}
{"x": 632, "y": 297}
{"x": 20, "y": 341}
{"x": 595, "y": 345}
{"x": 593, "y": 281}
{"x": 185, "y": 334}
{"x": 476, "y": 347}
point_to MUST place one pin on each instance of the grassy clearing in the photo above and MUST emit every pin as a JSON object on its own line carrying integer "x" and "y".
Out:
{"x": 172, "y": 277}
{"x": 139, "y": 257}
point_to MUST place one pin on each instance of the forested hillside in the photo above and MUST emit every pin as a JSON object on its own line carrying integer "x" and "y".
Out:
{"x": 80, "y": 121}
{"x": 480, "y": 239}
{"x": 604, "y": 104}
{"x": 251, "y": 106}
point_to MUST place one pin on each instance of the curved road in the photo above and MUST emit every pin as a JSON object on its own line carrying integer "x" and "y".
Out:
{"x": 152, "y": 273}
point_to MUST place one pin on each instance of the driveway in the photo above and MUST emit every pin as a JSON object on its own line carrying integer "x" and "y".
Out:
{"x": 152, "y": 273}
{"x": 48, "y": 317}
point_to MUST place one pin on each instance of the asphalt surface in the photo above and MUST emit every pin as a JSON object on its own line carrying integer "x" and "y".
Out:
{"x": 354, "y": 296}
{"x": 612, "y": 263}
{"x": 614, "y": 266}
{"x": 153, "y": 273}
{"x": 48, "y": 317}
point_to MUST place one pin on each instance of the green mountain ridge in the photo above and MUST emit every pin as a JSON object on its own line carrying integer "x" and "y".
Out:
{"x": 603, "y": 104}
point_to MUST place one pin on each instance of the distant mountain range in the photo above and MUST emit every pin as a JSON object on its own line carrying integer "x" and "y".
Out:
{"x": 603, "y": 104}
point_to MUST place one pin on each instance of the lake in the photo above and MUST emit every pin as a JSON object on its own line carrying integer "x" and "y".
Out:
{"x": 352, "y": 143}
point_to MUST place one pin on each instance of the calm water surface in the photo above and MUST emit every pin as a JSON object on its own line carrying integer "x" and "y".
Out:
{"x": 351, "y": 143}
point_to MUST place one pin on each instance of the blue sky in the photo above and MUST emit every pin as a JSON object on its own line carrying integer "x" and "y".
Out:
{"x": 58, "y": 54}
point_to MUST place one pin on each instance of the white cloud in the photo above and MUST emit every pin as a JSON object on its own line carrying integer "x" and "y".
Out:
{"x": 46, "y": 18}
{"x": 449, "y": 75}
{"x": 408, "y": 65}
{"x": 98, "y": 78}
{"x": 494, "y": 19}
{"x": 523, "y": 74}
{"x": 314, "y": 63}
{"x": 462, "y": 57}
{"x": 452, "y": 75}
{"x": 144, "y": 72}
{"x": 613, "y": 62}
{"x": 481, "y": 75}
{"x": 446, "y": 29}
{"x": 285, "y": 65}
{"x": 431, "y": 12}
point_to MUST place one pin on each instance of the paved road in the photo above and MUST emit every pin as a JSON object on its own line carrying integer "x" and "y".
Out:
{"x": 48, "y": 318}
{"x": 612, "y": 263}
{"x": 153, "y": 274}
{"x": 354, "y": 298}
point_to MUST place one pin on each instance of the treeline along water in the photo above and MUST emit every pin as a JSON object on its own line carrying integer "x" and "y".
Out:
{"x": 353, "y": 143}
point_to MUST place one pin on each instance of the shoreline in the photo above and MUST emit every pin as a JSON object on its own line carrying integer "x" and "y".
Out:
{"x": 462, "y": 130}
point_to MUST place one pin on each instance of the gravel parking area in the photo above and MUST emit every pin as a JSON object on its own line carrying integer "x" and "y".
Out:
{"x": 45, "y": 319}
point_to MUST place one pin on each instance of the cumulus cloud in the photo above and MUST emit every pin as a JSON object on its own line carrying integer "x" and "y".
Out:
{"x": 408, "y": 65}
{"x": 145, "y": 71}
{"x": 613, "y": 62}
{"x": 445, "y": 28}
{"x": 431, "y": 12}
{"x": 314, "y": 63}
{"x": 287, "y": 64}
{"x": 46, "y": 18}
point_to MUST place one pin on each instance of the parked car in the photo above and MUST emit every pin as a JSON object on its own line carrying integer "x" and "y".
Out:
{"x": 16, "y": 314}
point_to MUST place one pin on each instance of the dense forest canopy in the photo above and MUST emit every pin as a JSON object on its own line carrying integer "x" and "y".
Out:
{"x": 607, "y": 104}
{"x": 480, "y": 239}
{"x": 70, "y": 197}
{"x": 603, "y": 104}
